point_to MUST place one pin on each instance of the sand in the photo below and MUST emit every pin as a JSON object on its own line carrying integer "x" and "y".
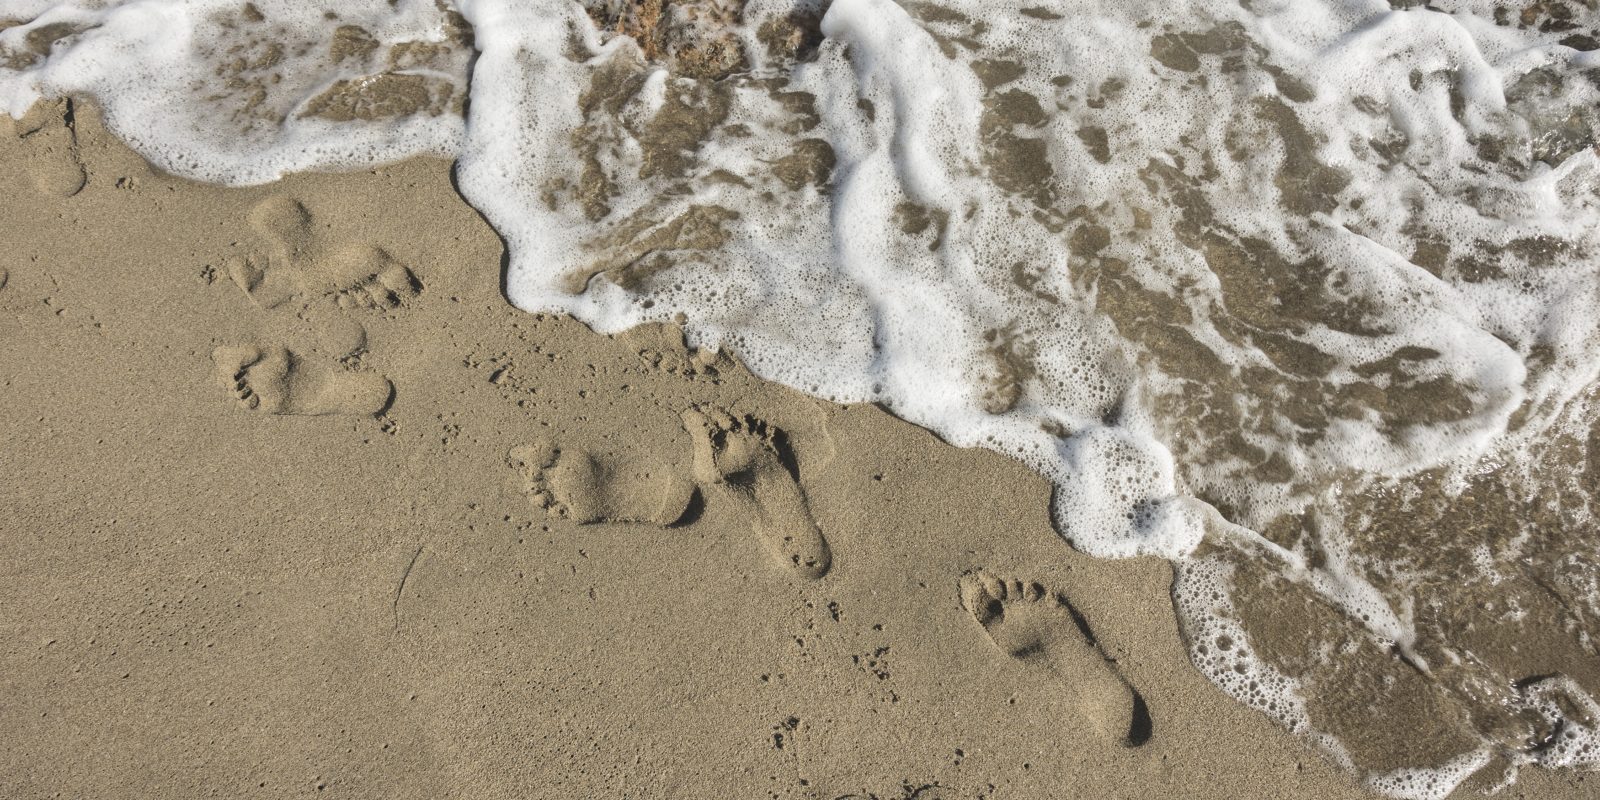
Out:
{"x": 293, "y": 502}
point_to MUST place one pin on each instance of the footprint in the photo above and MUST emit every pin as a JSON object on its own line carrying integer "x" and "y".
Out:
{"x": 286, "y": 224}
{"x": 1040, "y": 628}
{"x": 585, "y": 489}
{"x": 368, "y": 278}
{"x": 274, "y": 278}
{"x": 49, "y": 134}
{"x": 746, "y": 462}
{"x": 266, "y": 286}
{"x": 354, "y": 275}
{"x": 273, "y": 380}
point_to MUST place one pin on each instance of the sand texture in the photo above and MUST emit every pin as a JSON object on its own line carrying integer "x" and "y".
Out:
{"x": 294, "y": 503}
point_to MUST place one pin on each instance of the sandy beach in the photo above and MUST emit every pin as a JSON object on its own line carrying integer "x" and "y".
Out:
{"x": 296, "y": 504}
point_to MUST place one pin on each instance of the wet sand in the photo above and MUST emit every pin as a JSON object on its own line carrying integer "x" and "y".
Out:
{"x": 295, "y": 503}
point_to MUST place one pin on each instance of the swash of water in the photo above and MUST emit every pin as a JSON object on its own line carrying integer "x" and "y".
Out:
{"x": 1300, "y": 293}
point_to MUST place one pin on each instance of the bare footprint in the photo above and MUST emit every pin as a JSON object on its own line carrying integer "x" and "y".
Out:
{"x": 743, "y": 461}
{"x": 1040, "y": 628}
{"x": 586, "y": 489}
{"x": 366, "y": 277}
{"x": 273, "y": 380}
{"x": 273, "y": 278}
{"x": 297, "y": 262}
{"x": 265, "y": 285}
{"x": 50, "y": 135}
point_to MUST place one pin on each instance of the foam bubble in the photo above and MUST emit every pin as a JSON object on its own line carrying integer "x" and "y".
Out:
{"x": 1220, "y": 648}
{"x": 1205, "y": 266}
{"x": 233, "y": 93}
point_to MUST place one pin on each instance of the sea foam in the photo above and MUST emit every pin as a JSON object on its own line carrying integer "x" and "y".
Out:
{"x": 1214, "y": 269}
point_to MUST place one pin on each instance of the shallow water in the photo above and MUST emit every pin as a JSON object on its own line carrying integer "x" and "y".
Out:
{"x": 1298, "y": 293}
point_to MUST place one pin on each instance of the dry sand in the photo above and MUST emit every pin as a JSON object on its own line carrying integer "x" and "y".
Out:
{"x": 294, "y": 503}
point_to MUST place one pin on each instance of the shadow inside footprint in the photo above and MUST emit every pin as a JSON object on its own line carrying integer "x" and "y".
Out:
{"x": 1142, "y": 727}
{"x": 1039, "y": 627}
{"x": 49, "y": 134}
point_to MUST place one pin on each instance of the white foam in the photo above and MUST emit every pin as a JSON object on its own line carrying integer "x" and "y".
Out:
{"x": 1576, "y": 740}
{"x": 1329, "y": 141}
{"x": 1220, "y": 648}
{"x": 1429, "y": 784}
{"x": 156, "y": 69}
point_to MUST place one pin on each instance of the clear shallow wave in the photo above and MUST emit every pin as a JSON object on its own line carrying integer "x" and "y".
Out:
{"x": 1301, "y": 294}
